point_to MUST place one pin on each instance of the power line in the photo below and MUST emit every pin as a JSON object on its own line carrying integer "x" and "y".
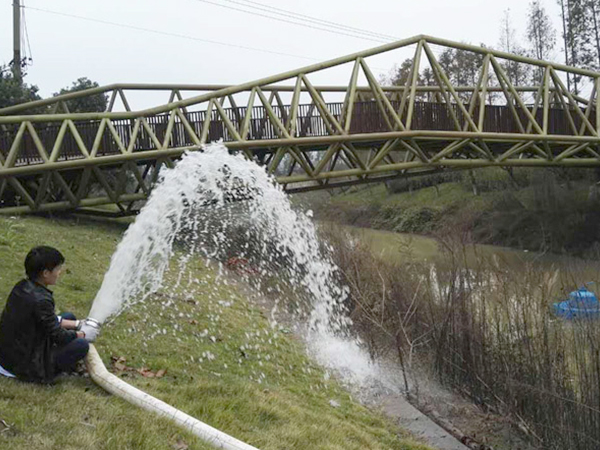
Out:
{"x": 168, "y": 33}
{"x": 303, "y": 17}
{"x": 376, "y": 37}
{"x": 379, "y": 37}
{"x": 306, "y": 25}
{"x": 179, "y": 35}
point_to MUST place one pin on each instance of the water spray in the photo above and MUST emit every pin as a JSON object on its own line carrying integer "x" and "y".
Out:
{"x": 193, "y": 201}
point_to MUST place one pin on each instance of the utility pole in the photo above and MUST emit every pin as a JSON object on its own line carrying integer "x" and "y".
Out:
{"x": 17, "y": 40}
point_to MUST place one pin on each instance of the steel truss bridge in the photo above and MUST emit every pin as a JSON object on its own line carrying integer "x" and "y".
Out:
{"x": 307, "y": 135}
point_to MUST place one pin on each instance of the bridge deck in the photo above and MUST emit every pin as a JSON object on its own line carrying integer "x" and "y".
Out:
{"x": 366, "y": 118}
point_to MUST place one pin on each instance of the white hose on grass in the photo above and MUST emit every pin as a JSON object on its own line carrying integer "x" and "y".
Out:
{"x": 118, "y": 387}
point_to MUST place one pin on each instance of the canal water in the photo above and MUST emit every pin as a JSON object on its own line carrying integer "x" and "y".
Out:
{"x": 572, "y": 272}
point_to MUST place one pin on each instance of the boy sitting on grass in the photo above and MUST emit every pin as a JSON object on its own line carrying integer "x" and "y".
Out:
{"x": 35, "y": 343}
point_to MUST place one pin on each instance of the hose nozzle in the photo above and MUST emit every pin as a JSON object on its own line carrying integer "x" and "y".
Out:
{"x": 93, "y": 323}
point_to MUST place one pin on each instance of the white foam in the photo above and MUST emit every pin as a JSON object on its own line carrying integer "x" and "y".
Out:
{"x": 190, "y": 204}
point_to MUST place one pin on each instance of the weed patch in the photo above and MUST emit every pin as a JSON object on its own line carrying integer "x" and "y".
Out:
{"x": 486, "y": 329}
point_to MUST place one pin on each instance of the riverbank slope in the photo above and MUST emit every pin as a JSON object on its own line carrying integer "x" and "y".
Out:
{"x": 537, "y": 210}
{"x": 211, "y": 354}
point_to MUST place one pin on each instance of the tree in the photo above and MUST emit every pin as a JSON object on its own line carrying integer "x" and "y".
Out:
{"x": 508, "y": 40}
{"x": 577, "y": 37}
{"x": 518, "y": 74}
{"x": 580, "y": 38}
{"x": 399, "y": 75}
{"x": 462, "y": 68}
{"x": 563, "y": 16}
{"x": 90, "y": 103}
{"x": 594, "y": 9}
{"x": 540, "y": 31}
{"x": 13, "y": 91}
{"x": 540, "y": 34}
{"x": 428, "y": 77}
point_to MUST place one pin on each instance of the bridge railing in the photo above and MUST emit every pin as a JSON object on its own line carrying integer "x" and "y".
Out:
{"x": 366, "y": 118}
{"x": 304, "y": 133}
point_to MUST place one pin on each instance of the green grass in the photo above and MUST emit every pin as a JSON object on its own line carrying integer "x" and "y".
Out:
{"x": 456, "y": 194}
{"x": 525, "y": 211}
{"x": 225, "y": 365}
{"x": 449, "y": 194}
{"x": 421, "y": 211}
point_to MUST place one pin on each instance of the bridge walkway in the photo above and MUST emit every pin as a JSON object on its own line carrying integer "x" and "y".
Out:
{"x": 366, "y": 118}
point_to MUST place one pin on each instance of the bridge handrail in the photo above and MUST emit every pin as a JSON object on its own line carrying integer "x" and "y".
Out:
{"x": 115, "y": 87}
{"x": 309, "y": 124}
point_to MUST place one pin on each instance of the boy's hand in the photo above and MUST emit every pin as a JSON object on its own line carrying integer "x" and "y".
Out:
{"x": 90, "y": 332}
{"x": 80, "y": 334}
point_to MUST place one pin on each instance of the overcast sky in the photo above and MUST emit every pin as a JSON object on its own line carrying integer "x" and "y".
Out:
{"x": 65, "y": 48}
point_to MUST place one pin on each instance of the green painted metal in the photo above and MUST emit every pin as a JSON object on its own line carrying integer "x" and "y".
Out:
{"x": 309, "y": 136}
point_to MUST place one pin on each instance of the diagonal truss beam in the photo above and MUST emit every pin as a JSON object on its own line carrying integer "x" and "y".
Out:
{"x": 308, "y": 136}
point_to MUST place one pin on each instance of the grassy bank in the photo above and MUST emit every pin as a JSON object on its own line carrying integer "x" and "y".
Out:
{"x": 208, "y": 352}
{"x": 535, "y": 209}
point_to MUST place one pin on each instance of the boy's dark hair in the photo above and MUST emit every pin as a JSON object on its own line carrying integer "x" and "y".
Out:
{"x": 42, "y": 258}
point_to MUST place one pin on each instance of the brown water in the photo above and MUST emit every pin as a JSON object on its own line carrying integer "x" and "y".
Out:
{"x": 571, "y": 272}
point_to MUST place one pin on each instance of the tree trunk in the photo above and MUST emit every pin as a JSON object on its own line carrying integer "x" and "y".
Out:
{"x": 572, "y": 47}
{"x": 596, "y": 31}
{"x": 565, "y": 40}
{"x": 473, "y": 183}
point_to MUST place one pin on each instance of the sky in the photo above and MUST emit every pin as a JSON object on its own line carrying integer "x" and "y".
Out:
{"x": 64, "y": 48}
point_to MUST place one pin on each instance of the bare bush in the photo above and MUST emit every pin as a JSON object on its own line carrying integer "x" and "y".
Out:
{"x": 486, "y": 329}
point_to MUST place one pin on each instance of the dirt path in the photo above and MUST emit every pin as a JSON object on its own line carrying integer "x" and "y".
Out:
{"x": 410, "y": 418}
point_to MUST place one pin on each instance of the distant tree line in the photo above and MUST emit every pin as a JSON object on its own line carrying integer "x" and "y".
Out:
{"x": 579, "y": 39}
{"x": 581, "y": 35}
{"x": 14, "y": 91}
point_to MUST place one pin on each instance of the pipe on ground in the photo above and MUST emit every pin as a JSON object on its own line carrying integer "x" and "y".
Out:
{"x": 118, "y": 387}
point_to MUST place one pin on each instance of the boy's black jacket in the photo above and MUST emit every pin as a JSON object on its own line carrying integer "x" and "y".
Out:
{"x": 29, "y": 329}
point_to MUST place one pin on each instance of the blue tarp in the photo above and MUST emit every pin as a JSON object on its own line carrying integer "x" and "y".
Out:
{"x": 581, "y": 304}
